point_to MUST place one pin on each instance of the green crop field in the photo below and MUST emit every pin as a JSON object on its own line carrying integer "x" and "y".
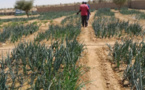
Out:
{"x": 52, "y": 51}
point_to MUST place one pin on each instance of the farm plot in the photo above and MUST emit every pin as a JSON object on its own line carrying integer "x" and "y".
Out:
{"x": 56, "y": 65}
{"x": 32, "y": 65}
{"x": 135, "y": 13}
{"x": 36, "y": 66}
{"x": 15, "y": 32}
{"x": 126, "y": 55}
{"x": 106, "y": 27}
{"x": 70, "y": 30}
{"x": 131, "y": 54}
{"x": 41, "y": 16}
{"x": 104, "y": 11}
{"x": 100, "y": 72}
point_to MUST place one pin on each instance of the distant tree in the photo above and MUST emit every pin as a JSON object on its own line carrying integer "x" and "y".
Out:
{"x": 119, "y": 3}
{"x": 24, "y": 5}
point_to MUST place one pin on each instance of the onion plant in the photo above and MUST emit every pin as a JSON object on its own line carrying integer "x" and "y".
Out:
{"x": 133, "y": 55}
{"x": 42, "y": 67}
{"x": 15, "y": 32}
{"x": 70, "y": 28}
{"x": 53, "y": 15}
{"x": 104, "y": 11}
{"x": 127, "y": 11}
{"x": 138, "y": 14}
{"x": 110, "y": 26}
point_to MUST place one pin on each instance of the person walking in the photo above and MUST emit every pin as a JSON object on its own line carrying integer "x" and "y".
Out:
{"x": 84, "y": 9}
{"x": 88, "y": 12}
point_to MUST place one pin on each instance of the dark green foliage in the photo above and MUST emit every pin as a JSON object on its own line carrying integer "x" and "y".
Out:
{"x": 52, "y": 15}
{"x": 69, "y": 20}
{"x": 141, "y": 16}
{"x": 43, "y": 16}
{"x": 18, "y": 19}
{"x": 110, "y": 27}
{"x": 3, "y": 77}
{"x": 138, "y": 14}
{"x": 127, "y": 11}
{"x": 17, "y": 31}
{"x": 70, "y": 30}
{"x": 104, "y": 11}
{"x": 135, "y": 29}
{"x": 5, "y": 34}
{"x": 42, "y": 67}
{"x": 133, "y": 55}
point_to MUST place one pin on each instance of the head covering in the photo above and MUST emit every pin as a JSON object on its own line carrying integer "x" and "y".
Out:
{"x": 83, "y": 2}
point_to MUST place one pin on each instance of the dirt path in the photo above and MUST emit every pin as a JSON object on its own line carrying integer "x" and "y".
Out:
{"x": 100, "y": 74}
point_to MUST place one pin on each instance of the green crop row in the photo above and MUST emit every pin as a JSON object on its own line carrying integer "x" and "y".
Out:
{"x": 127, "y": 11}
{"x": 70, "y": 30}
{"x": 133, "y": 55}
{"x": 42, "y": 16}
{"x": 141, "y": 16}
{"x": 104, "y": 11}
{"x": 17, "y": 19}
{"x": 52, "y": 15}
{"x": 109, "y": 27}
{"x": 39, "y": 67}
{"x": 138, "y": 14}
{"x": 15, "y": 32}
{"x": 69, "y": 20}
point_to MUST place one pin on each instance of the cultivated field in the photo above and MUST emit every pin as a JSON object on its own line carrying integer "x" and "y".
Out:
{"x": 51, "y": 51}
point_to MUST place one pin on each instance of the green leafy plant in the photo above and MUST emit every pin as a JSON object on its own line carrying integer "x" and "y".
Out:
{"x": 106, "y": 27}
{"x": 70, "y": 30}
{"x": 132, "y": 54}
{"x": 16, "y": 31}
{"x": 42, "y": 67}
{"x": 24, "y": 5}
{"x": 104, "y": 11}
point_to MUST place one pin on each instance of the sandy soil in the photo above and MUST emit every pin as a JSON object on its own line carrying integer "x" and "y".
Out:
{"x": 100, "y": 74}
{"x": 142, "y": 10}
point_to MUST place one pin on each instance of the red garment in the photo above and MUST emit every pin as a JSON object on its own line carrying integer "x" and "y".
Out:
{"x": 84, "y": 9}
